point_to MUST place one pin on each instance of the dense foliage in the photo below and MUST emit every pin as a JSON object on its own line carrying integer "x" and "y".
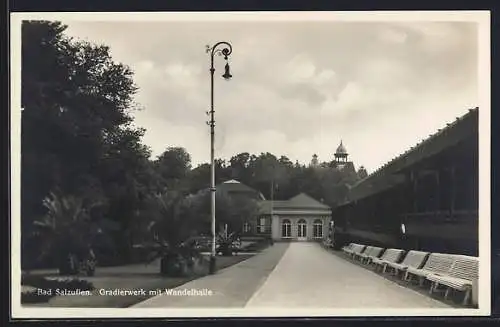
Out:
{"x": 87, "y": 178}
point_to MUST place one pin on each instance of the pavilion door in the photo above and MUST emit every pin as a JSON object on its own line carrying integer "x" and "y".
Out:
{"x": 302, "y": 230}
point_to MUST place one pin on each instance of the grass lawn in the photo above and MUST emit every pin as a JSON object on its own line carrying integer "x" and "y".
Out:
{"x": 130, "y": 277}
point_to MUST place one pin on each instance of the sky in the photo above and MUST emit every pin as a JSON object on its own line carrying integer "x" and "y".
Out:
{"x": 298, "y": 87}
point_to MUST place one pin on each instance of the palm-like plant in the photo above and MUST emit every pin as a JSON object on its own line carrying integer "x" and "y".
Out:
{"x": 226, "y": 241}
{"x": 171, "y": 227}
{"x": 65, "y": 231}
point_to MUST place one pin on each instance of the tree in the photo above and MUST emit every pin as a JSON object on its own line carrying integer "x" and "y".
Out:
{"x": 66, "y": 231}
{"x": 244, "y": 210}
{"x": 362, "y": 173}
{"x": 174, "y": 165}
{"x": 199, "y": 178}
{"x": 264, "y": 169}
{"x": 222, "y": 171}
{"x": 239, "y": 166}
{"x": 171, "y": 226}
{"x": 77, "y": 135}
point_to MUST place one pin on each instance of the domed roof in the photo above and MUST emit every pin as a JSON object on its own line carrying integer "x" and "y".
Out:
{"x": 341, "y": 149}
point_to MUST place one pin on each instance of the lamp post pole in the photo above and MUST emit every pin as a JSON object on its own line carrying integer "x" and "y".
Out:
{"x": 225, "y": 50}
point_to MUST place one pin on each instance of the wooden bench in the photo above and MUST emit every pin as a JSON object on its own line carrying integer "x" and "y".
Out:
{"x": 413, "y": 258}
{"x": 389, "y": 256}
{"x": 356, "y": 249}
{"x": 375, "y": 252}
{"x": 437, "y": 263}
{"x": 360, "y": 254}
{"x": 366, "y": 249}
{"x": 348, "y": 248}
{"x": 359, "y": 248}
{"x": 461, "y": 277}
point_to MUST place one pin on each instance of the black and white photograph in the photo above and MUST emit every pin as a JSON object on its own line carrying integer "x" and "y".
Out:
{"x": 250, "y": 164}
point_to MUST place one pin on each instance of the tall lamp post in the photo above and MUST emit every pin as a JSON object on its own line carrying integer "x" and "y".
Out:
{"x": 222, "y": 49}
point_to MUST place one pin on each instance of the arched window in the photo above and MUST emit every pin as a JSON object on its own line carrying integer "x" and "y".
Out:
{"x": 286, "y": 228}
{"x": 262, "y": 227}
{"x": 302, "y": 228}
{"x": 318, "y": 228}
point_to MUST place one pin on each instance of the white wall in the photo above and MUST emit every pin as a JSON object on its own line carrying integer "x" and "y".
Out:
{"x": 278, "y": 221}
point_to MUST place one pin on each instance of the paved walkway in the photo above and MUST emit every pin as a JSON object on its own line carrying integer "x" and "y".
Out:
{"x": 309, "y": 276}
{"x": 231, "y": 287}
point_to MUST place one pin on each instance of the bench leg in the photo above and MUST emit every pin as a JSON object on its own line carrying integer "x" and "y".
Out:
{"x": 434, "y": 287}
{"x": 384, "y": 269}
{"x": 466, "y": 297}
{"x": 421, "y": 281}
{"x": 406, "y": 276}
{"x": 448, "y": 289}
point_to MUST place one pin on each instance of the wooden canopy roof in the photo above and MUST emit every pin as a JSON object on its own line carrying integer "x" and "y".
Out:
{"x": 388, "y": 175}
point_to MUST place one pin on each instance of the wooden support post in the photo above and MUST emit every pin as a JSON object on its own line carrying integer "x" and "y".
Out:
{"x": 438, "y": 191}
{"x": 414, "y": 196}
{"x": 414, "y": 180}
{"x": 452, "y": 190}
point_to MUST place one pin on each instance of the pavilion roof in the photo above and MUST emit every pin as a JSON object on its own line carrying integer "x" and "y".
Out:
{"x": 302, "y": 202}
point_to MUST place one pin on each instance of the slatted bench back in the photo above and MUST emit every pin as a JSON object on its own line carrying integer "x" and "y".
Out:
{"x": 350, "y": 246}
{"x": 358, "y": 248}
{"x": 415, "y": 258}
{"x": 439, "y": 262}
{"x": 376, "y": 251}
{"x": 465, "y": 267}
{"x": 392, "y": 255}
{"x": 368, "y": 250}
